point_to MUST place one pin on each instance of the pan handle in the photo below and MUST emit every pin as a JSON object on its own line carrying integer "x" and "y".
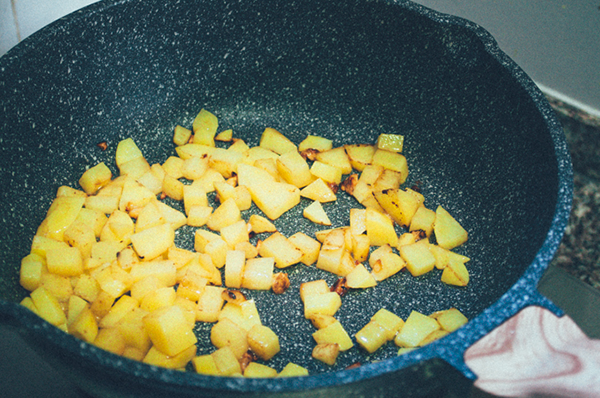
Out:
{"x": 536, "y": 353}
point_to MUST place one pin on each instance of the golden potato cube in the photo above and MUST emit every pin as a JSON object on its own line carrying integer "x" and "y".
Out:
{"x": 171, "y": 215}
{"x": 358, "y": 221}
{"x": 256, "y": 370}
{"x": 113, "y": 280}
{"x": 269, "y": 165}
{"x": 169, "y": 330}
{"x": 315, "y": 213}
{"x": 361, "y": 245}
{"x": 390, "y": 321}
{"x": 192, "y": 283}
{"x": 193, "y": 195}
{"x": 360, "y": 278}
{"x": 380, "y": 229}
{"x": 321, "y": 321}
{"x": 217, "y": 250}
{"x": 102, "y": 304}
{"x": 187, "y": 151}
{"x": 226, "y": 333}
{"x": 387, "y": 265}
{"x": 226, "y": 214}
{"x": 173, "y": 167}
{"x": 102, "y": 204}
{"x": 272, "y": 198}
{"x": 151, "y": 181}
{"x": 388, "y": 179}
{"x": 455, "y": 273}
{"x": 448, "y": 232}
{"x": 234, "y": 268}
{"x": 315, "y": 142}
{"x": 134, "y": 197}
{"x": 30, "y": 273}
{"x": 325, "y": 304}
{"x": 225, "y": 162}
{"x": 330, "y": 260}
{"x": 443, "y": 256}
{"x": 84, "y": 326}
{"x": 65, "y": 261}
{"x": 416, "y": 328}
{"x": 202, "y": 238}
{"x": 62, "y": 213}
{"x": 94, "y": 219}
{"x": 326, "y": 172}
{"x": 450, "y": 319}
{"x": 135, "y": 168}
{"x": 259, "y": 224}
{"x": 110, "y": 340}
{"x": 226, "y": 361}
{"x": 336, "y": 157}
{"x": 127, "y": 150}
{"x": 235, "y": 233}
{"x": 149, "y": 216}
{"x": 275, "y": 141}
{"x": 281, "y": 250}
{"x": 48, "y": 306}
{"x": 263, "y": 342}
{"x": 372, "y": 337}
{"x": 225, "y": 136}
{"x": 313, "y": 288}
{"x": 210, "y": 304}
{"x": 154, "y": 241}
{"x": 120, "y": 308}
{"x": 178, "y": 361}
{"x": 131, "y": 327}
{"x": 326, "y": 353}
{"x": 392, "y": 161}
{"x": 205, "y": 127}
{"x": 400, "y": 204}
{"x": 194, "y": 167}
{"x": 27, "y": 302}
{"x": 205, "y": 364}
{"x": 418, "y": 257}
{"x": 423, "y": 220}
{"x": 58, "y": 286}
{"x": 173, "y": 188}
{"x": 360, "y": 155}
{"x": 307, "y": 245}
{"x": 334, "y": 333}
{"x": 319, "y": 191}
{"x": 95, "y": 178}
{"x": 390, "y": 142}
{"x": 293, "y": 370}
{"x": 294, "y": 169}
{"x": 181, "y": 135}
{"x": 162, "y": 297}
{"x": 74, "y": 307}
{"x": 258, "y": 273}
{"x": 64, "y": 190}
{"x": 80, "y": 235}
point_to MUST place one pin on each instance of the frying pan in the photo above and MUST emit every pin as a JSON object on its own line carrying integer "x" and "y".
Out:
{"x": 480, "y": 140}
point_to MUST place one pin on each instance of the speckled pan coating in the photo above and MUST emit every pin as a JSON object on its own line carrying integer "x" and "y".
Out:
{"x": 480, "y": 140}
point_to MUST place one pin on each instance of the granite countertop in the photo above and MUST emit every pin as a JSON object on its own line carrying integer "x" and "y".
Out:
{"x": 579, "y": 253}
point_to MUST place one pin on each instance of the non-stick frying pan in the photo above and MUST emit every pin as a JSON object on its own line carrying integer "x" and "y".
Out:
{"x": 480, "y": 140}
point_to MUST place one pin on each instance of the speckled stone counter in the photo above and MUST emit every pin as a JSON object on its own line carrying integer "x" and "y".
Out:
{"x": 579, "y": 253}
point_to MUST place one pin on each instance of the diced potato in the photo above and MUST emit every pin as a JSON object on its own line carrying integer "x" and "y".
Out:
{"x": 164, "y": 270}
{"x": 178, "y": 361}
{"x": 315, "y": 213}
{"x": 315, "y": 142}
{"x": 111, "y": 340}
{"x": 217, "y": 250}
{"x": 360, "y": 278}
{"x": 225, "y": 162}
{"x": 235, "y": 233}
{"x": 326, "y": 353}
{"x": 205, "y": 364}
{"x": 84, "y": 326}
{"x": 210, "y": 304}
{"x": 181, "y": 135}
{"x": 65, "y": 261}
{"x": 423, "y": 220}
{"x": 400, "y": 204}
{"x": 226, "y": 361}
{"x": 224, "y": 136}
{"x": 187, "y": 151}
{"x": 153, "y": 242}
{"x": 390, "y": 142}
{"x": 135, "y": 168}
{"x": 92, "y": 218}
{"x": 169, "y": 330}
{"x": 326, "y": 172}
{"x": 259, "y": 224}
{"x": 380, "y": 228}
{"x": 318, "y": 190}
{"x": 448, "y": 232}
{"x": 418, "y": 257}
{"x": 361, "y": 245}
{"x": 30, "y": 273}
{"x": 325, "y": 304}
{"x": 263, "y": 342}
{"x": 443, "y": 256}
{"x": 360, "y": 155}
{"x": 95, "y": 178}
{"x": 234, "y": 268}
{"x": 60, "y": 216}
{"x": 321, "y": 321}
{"x": 336, "y": 157}
{"x": 371, "y": 337}
{"x": 281, "y": 250}
{"x": 313, "y": 288}
{"x": 226, "y": 333}
{"x": 307, "y": 245}
{"x": 205, "y": 127}
{"x": 387, "y": 265}
{"x": 293, "y": 370}
{"x": 258, "y": 273}
{"x": 455, "y": 273}
{"x": 416, "y": 328}
{"x": 293, "y": 169}
{"x": 162, "y": 297}
{"x": 256, "y": 370}
{"x": 226, "y": 214}
{"x": 388, "y": 179}
{"x": 275, "y": 141}
{"x": 450, "y": 319}
{"x": 390, "y": 321}
{"x": 48, "y": 306}
{"x": 334, "y": 334}
{"x": 120, "y": 308}
{"x": 392, "y": 161}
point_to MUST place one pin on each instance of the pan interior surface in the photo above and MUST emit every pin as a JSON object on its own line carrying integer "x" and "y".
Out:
{"x": 475, "y": 140}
